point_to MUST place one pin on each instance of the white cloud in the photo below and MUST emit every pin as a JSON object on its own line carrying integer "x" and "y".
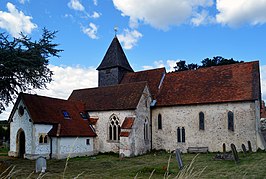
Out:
{"x": 76, "y": 5}
{"x": 16, "y": 21}
{"x": 91, "y": 31}
{"x": 202, "y": 18}
{"x": 238, "y": 12}
{"x": 95, "y": 2}
{"x": 156, "y": 64}
{"x": 162, "y": 13}
{"x": 65, "y": 80}
{"x": 23, "y": 1}
{"x": 129, "y": 38}
{"x": 95, "y": 15}
{"x": 169, "y": 65}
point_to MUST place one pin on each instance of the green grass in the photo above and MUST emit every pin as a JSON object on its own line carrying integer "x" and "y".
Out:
{"x": 110, "y": 166}
{"x": 3, "y": 151}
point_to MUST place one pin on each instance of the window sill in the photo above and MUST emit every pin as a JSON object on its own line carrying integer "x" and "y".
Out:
{"x": 113, "y": 141}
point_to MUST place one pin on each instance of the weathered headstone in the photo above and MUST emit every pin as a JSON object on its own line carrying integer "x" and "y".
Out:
{"x": 179, "y": 159}
{"x": 249, "y": 147}
{"x": 244, "y": 149}
{"x": 224, "y": 148}
{"x": 234, "y": 152}
{"x": 41, "y": 164}
{"x": 121, "y": 156}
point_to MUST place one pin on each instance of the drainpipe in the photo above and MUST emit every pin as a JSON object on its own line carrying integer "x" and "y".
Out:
{"x": 51, "y": 147}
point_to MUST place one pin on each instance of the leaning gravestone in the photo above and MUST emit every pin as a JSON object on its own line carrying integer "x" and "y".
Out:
{"x": 179, "y": 159}
{"x": 249, "y": 147}
{"x": 41, "y": 164}
{"x": 244, "y": 149}
{"x": 234, "y": 152}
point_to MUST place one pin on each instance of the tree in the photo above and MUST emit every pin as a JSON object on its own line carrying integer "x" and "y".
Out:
{"x": 218, "y": 60}
{"x": 207, "y": 62}
{"x": 24, "y": 64}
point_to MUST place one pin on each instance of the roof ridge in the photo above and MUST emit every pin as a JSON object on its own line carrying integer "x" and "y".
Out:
{"x": 116, "y": 85}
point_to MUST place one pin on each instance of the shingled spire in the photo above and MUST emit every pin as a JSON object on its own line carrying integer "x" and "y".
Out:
{"x": 113, "y": 66}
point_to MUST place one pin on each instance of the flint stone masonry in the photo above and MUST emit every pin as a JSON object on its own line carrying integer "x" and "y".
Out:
{"x": 72, "y": 147}
{"x": 132, "y": 146}
{"x": 216, "y": 129}
{"x": 20, "y": 123}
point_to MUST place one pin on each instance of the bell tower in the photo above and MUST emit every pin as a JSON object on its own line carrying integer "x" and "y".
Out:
{"x": 113, "y": 66}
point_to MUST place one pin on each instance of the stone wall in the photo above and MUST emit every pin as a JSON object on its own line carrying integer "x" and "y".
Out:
{"x": 43, "y": 148}
{"x": 216, "y": 126}
{"x": 102, "y": 143}
{"x": 20, "y": 123}
{"x": 142, "y": 114}
{"x": 72, "y": 147}
{"x": 136, "y": 140}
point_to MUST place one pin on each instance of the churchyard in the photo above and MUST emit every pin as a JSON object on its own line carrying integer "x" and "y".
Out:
{"x": 155, "y": 164}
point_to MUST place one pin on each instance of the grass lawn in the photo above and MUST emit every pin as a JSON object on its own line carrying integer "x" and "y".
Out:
{"x": 3, "y": 151}
{"x": 110, "y": 166}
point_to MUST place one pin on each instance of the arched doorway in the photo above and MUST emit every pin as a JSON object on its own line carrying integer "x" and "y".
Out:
{"x": 21, "y": 143}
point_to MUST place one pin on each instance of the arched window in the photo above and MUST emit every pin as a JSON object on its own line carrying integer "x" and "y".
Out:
{"x": 43, "y": 139}
{"x": 178, "y": 135}
{"x": 230, "y": 116}
{"x": 146, "y": 130}
{"x": 201, "y": 121}
{"x": 114, "y": 128}
{"x": 181, "y": 134}
{"x": 40, "y": 139}
{"x": 159, "y": 121}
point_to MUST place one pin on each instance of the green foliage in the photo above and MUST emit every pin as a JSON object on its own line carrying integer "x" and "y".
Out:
{"x": 207, "y": 62}
{"x": 4, "y": 130}
{"x": 23, "y": 64}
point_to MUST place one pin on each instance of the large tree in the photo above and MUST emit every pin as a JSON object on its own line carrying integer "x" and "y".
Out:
{"x": 24, "y": 64}
{"x": 207, "y": 62}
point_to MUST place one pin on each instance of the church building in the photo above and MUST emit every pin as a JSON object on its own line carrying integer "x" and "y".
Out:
{"x": 131, "y": 113}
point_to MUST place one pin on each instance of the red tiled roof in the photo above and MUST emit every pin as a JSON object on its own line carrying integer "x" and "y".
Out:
{"x": 117, "y": 97}
{"x": 46, "y": 110}
{"x": 227, "y": 83}
{"x": 128, "y": 123}
{"x": 152, "y": 77}
{"x": 124, "y": 134}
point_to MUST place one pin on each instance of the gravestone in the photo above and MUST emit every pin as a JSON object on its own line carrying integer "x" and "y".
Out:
{"x": 41, "y": 164}
{"x": 244, "y": 149}
{"x": 224, "y": 148}
{"x": 234, "y": 152}
{"x": 249, "y": 147}
{"x": 121, "y": 156}
{"x": 179, "y": 159}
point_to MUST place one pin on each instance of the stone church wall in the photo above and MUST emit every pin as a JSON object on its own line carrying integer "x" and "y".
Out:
{"x": 42, "y": 149}
{"x": 64, "y": 147}
{"x": 215, "y": 122}
{"x": 20, "y": 123}
{"x": 142, "y": 114}
{"x": 102, "y": 142}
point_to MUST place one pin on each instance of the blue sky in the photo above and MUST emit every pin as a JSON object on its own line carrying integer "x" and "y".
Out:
{"x": 153, "y": 33}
